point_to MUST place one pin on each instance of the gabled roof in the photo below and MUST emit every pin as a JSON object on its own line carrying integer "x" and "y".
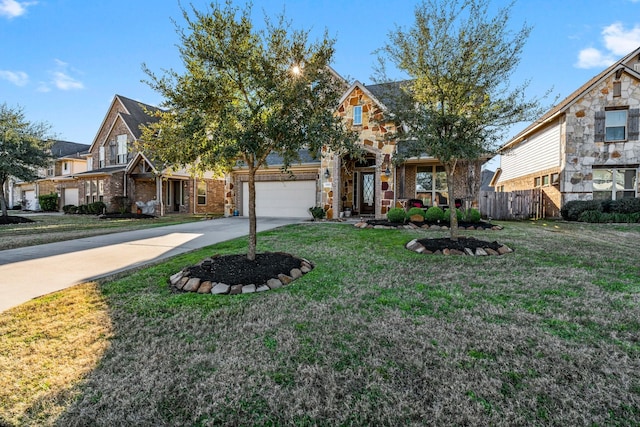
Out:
{"x": 67, "y": 149}
{"x": 134, "y": 116}
{"x": 566, "y": 103}
{"x": 140, "y": 157}
{"x": 365, "y": 90}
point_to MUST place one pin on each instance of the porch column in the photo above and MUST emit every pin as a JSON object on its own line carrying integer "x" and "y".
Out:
{"x": 335, "y": 185}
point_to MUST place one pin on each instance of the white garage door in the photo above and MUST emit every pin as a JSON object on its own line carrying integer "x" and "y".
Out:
{"x": 281, "y": 198}
{"x": 32, "y": 202}
{"x": 71, "y": 196}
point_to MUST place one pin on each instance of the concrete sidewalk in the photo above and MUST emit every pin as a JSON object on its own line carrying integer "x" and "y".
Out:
{"x": 34, "y": 271}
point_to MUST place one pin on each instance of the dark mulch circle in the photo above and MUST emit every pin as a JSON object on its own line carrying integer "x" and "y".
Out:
{"x": 126, "y": 215}
{"x": 238, "y": 270}
{"x": 462, "y": 242}
{"x": 4, "y": 220}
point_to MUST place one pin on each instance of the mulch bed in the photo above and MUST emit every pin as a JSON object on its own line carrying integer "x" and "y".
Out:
{"x": 4, "y": 220}
{"x": 238, "y": 270}
{"x": 441, "y": 244}
{"x": 126, "y": 215}
{"x": 482, "y": 225}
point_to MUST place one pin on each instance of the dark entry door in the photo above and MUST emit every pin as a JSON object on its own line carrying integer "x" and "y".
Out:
{"x": 367, "y": 193}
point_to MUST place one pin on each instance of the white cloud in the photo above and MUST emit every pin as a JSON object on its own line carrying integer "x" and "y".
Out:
{"x": 591, "y": 58}
{"x": 618, "y": 41}
{"x": 18, "y": 78}
{"x": 13, "y": 8}
{"x": 65, "y": 82}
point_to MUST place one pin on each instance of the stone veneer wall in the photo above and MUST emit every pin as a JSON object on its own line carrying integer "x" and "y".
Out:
{"x": 581, "y": 152}
{"x": 374, "y": 137}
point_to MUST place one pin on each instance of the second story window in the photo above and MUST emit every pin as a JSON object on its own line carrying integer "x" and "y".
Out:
{"x": 89, "y": 163}
{"x": 357, "y": 115}
{"x": 615, "y": 123}
{"x": 122, "y": 149}
{"x": 101, "y": 157}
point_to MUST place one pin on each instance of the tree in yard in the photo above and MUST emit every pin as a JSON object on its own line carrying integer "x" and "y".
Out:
{"x": 245, "y": 93}
{"x": 23, "y": 148}
{"x": 457, "y": 103}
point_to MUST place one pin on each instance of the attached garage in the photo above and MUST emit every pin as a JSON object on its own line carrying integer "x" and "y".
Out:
{"x": 71, "y": 196}
{"x": 281, "y": 198}
{"x": 32, "y": 201}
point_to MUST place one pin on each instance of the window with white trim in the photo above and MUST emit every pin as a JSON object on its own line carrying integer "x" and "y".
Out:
{"x": 202, "y": 192}
{"x": 614, "y": 183}
{"x": 615, "y": 125}
{"x": 89, "y": 163}
{"x": 122, "y": 149}
{"x": 357, "y": 114}
{"x": 431, "y": 185}
{"x": 101, "y": 163}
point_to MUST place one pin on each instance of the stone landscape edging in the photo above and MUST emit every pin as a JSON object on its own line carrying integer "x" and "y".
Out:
{"x": 415, "y": 246}
{"x": 186, "y": 283}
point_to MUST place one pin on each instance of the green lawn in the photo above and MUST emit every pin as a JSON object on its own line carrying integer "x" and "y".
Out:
{"x": 56, "y": 228}
{"x": 374, "y": 335}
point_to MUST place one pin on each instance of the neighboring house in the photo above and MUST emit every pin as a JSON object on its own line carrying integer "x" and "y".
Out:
{"x": 367, "y": 187}
{"x": 68, "y": 158}
{"x": 122, "y": 177}
{"x": 586, "y": 147}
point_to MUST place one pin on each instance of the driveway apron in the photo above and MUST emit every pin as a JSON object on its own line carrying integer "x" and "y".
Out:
{"x": 30, "y": 272}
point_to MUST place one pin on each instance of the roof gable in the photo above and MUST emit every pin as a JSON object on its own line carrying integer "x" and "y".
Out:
{"x": 625, "y": 64}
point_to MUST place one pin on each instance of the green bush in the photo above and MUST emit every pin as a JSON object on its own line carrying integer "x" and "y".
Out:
{"x": 626, "y": 206}
{"x": 572, "y": 210}
{"x": 592, "y": 216}
{"x": 82, "y": 209}
{"x": 434, "y": 214}
{"x": 317, "y": 212}
{"x": 49, "y": 202}
{"x": 472, "y": 215}
{"x": 416, "y": 211}
{"x": 70, "y": 209}
{"x": 396, "y": 215}
{"x": 121, "y": 204}
{"x": 447, "y": 214}
{"x": 96, "y": 208}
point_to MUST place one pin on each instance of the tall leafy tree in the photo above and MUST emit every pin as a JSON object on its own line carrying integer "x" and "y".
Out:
{"x": 458, "y": 101}
{"x": 245, "y": 93}
{"x": 23, "y": 148}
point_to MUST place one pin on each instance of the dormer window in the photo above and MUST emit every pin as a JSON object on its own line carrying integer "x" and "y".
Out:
{"x": 357, "y": 115}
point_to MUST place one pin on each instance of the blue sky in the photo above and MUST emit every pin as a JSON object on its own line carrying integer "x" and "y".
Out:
{"x": 64, "y": 60}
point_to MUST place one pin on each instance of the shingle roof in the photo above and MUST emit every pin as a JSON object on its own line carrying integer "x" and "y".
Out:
{"x": 565, "y": 103}
{"x": 66, "y": 148}
{"x": 137, "y": 115}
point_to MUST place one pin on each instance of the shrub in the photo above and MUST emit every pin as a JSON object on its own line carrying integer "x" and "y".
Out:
{"x": 121, "y": 204}
{"x": 447, "y": 214}
{"x": 49, "y": 202}
{"x": 572, "y": 210}
{"x": 416, "y": 211}
{"x": 626, "y": 206}
{"x": 472, "y": 215}
{"x": 96, "y": 208}
{"x": 396, "y": 215}
{"x": 70, "y": 209}
{"x": 82, "y": 209}
{"x": 317, "y": 212}
{"x": 591, "y": 216}
{"x": 434, "y": 214}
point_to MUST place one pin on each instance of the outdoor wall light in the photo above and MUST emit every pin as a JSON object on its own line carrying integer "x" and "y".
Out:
{"x": 326, "y": 173}
{"x": 387, "y": 171}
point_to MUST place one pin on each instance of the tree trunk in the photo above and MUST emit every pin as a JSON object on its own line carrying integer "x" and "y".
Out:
{"x": 450, "y": 168}
{"x": 251, "y": 253}
{"x": 3, "y": 201}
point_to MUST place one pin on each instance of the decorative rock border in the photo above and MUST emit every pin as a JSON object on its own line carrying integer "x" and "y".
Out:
{"x": 412, "y": 226}
{"x": 182, "y": 281}
{"x": 416, "y": 246}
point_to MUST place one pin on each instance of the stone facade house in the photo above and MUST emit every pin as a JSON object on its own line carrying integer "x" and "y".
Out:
{"x": 368, "y": 187}
{"x": 124, "y": 178}
{"x": 68, "y": 159}
{"x": 586, "y": 147}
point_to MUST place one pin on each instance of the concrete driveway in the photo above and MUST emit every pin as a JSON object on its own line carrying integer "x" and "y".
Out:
{"x": 34, "y": 271}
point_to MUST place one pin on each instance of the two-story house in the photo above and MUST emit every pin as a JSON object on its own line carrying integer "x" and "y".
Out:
{"x": 67, "y": 159}
{"x": 364, "y": 187}
{"x": 586, "y": 147}
{"x": 117, "y": 173}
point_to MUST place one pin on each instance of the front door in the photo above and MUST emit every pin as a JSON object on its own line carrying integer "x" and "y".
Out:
{"x": 367, "y": 193}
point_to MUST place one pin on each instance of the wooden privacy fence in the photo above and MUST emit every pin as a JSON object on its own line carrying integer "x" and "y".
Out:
{"x": 521, "y": 204}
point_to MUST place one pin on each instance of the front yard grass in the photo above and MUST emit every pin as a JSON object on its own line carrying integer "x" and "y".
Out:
{"x": 374, "y": 335}
{"x": 56, "y": 228}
